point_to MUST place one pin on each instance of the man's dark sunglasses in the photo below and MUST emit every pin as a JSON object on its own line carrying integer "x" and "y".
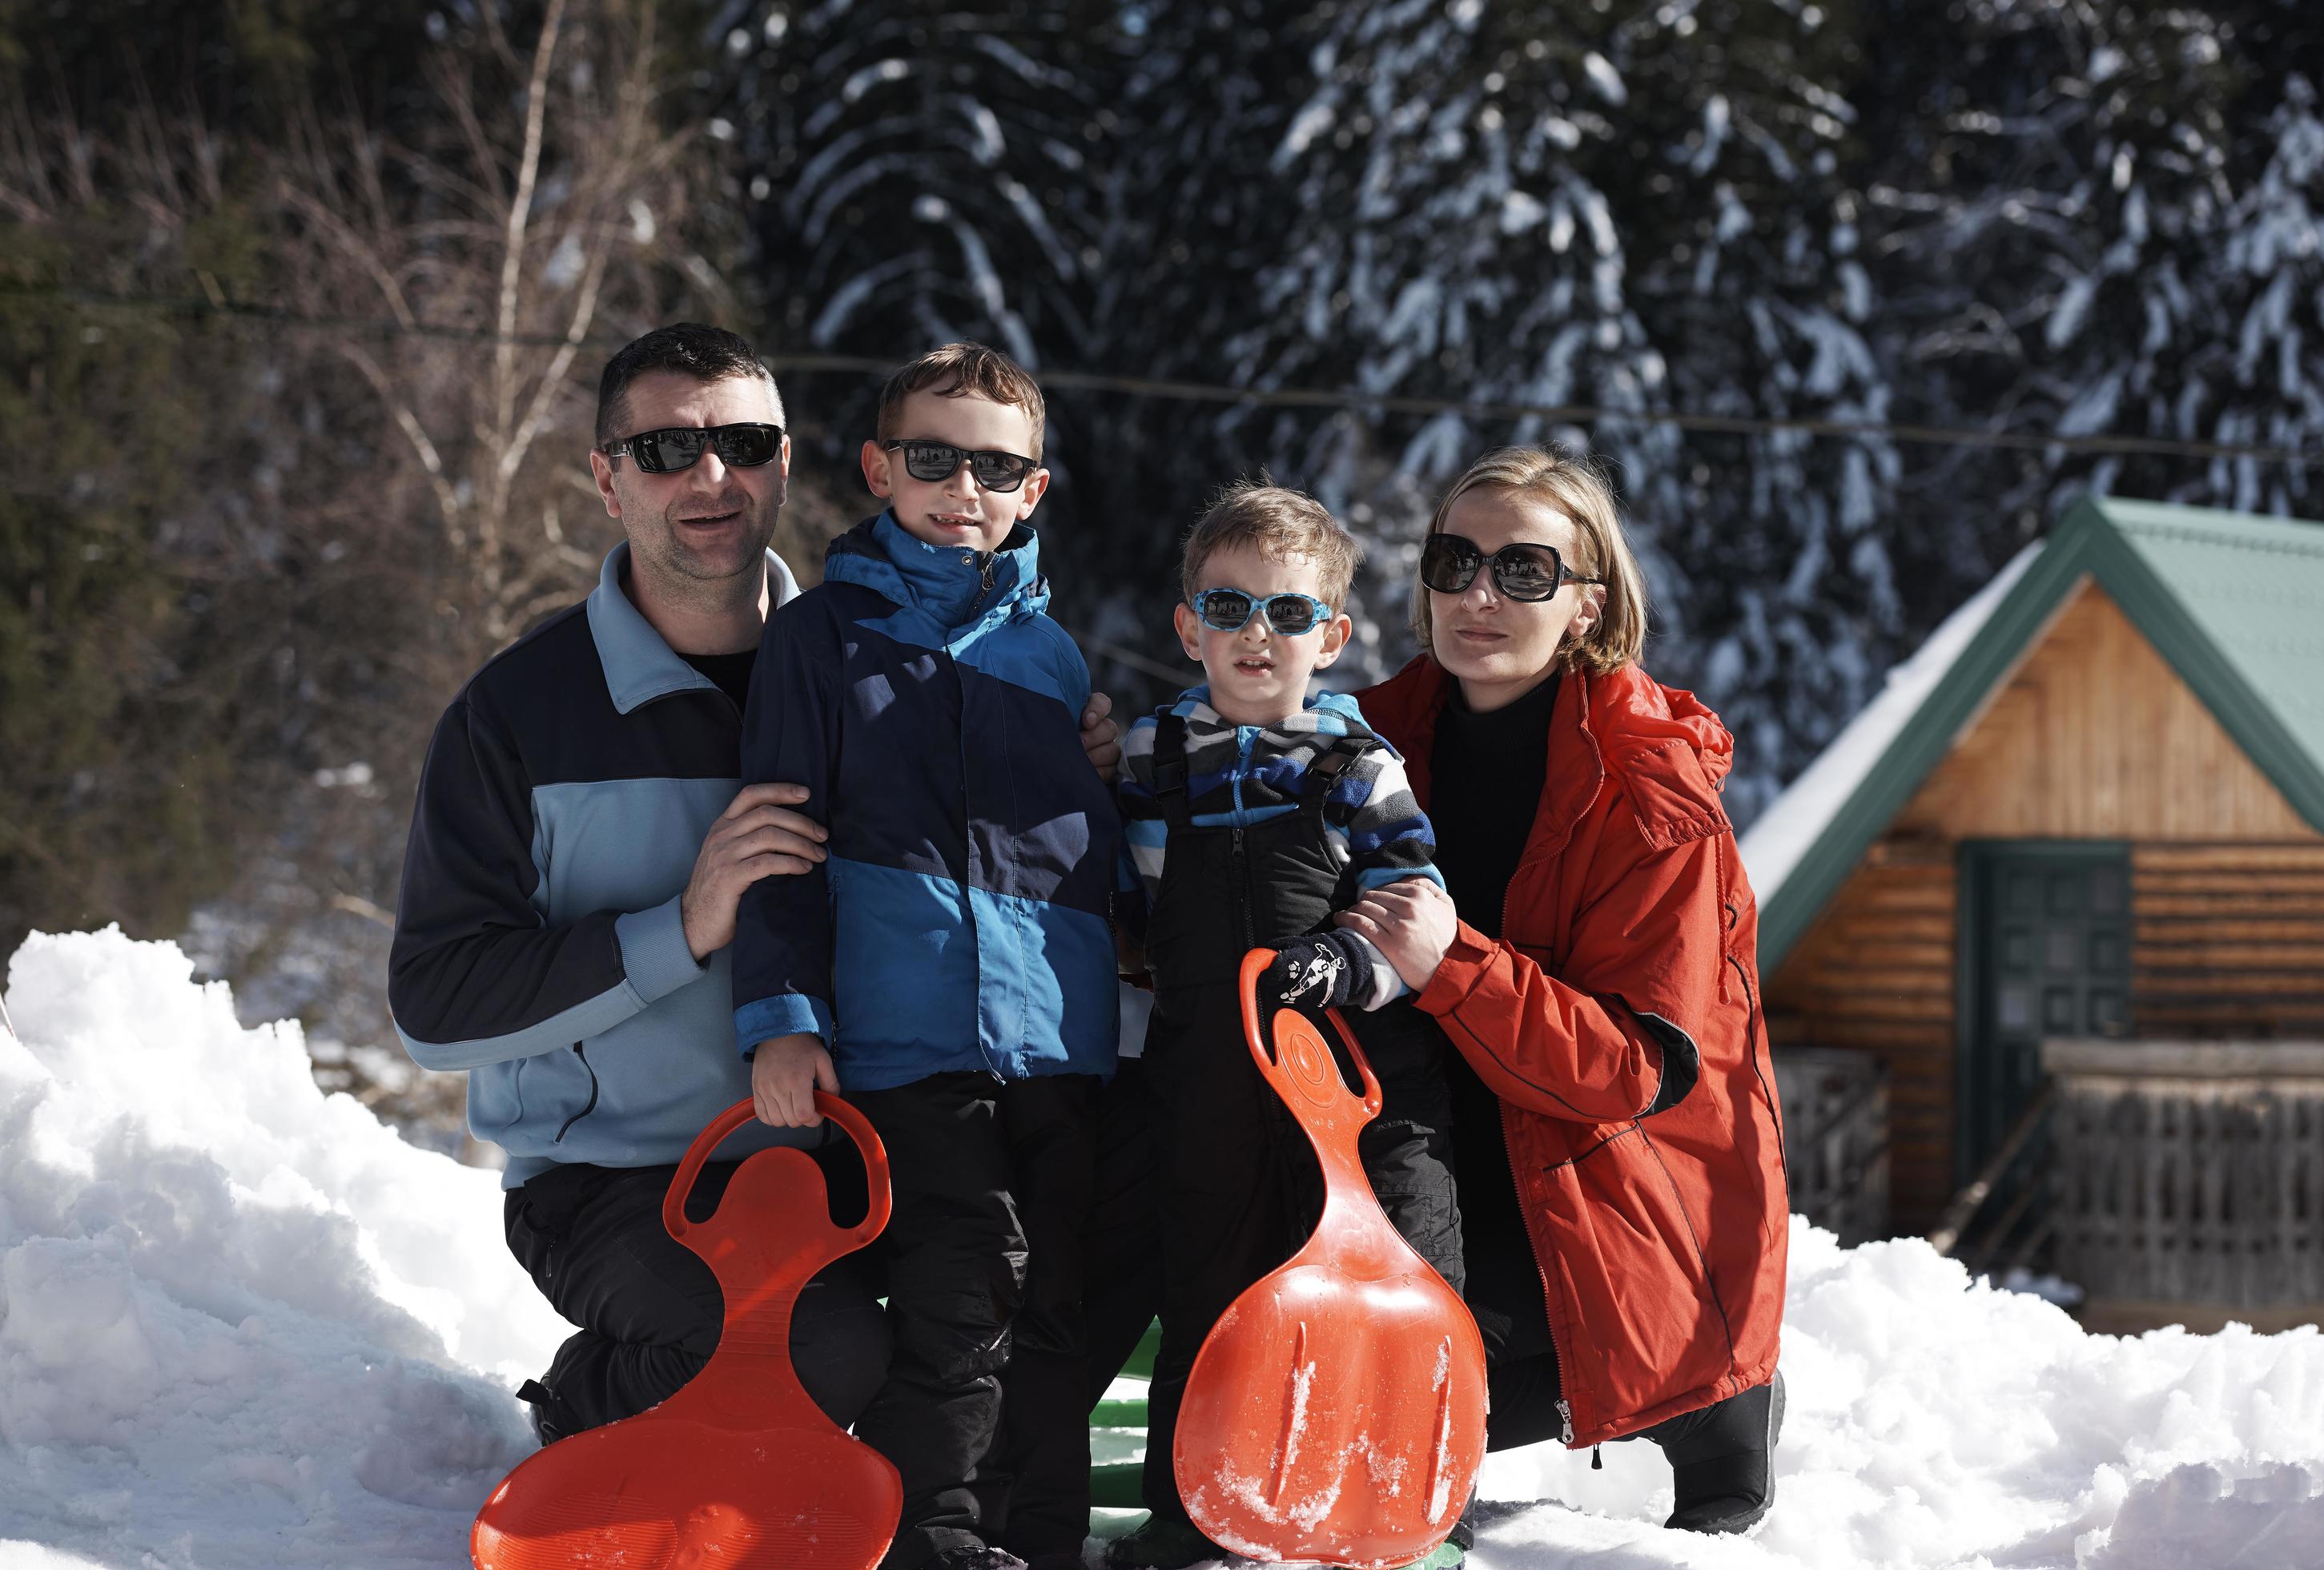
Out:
{"x": 1524, "y": 571}
{"x": 998, "y": 471}
{"x": 681, "y": 447}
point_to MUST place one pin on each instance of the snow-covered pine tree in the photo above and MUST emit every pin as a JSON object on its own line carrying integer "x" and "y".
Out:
{"x": 1553, "y": 205}
{"x": 2096, "y": 220}
{"x": 1748, "y": 275}
{"x": 1194, "y": 213}
{"x": 921, "y": 172}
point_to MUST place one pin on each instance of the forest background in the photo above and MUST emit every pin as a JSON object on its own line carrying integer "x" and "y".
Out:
{"x": 302, "y": 305}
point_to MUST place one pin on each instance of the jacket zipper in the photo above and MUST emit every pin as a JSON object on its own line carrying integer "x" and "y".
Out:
{"x": 1241, "y": 863}
{"x": 1243, "y": 880}
{"x": 1565, "y": 1409}
{"x": 968, "y": 837}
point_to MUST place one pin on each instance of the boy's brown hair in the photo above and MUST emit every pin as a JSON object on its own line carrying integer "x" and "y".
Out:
{"x": 960, "y": 370}
{"x": 1282, "y": 524}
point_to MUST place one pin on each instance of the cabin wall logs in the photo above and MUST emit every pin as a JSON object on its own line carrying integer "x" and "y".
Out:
{"x": 2094, "y": 738}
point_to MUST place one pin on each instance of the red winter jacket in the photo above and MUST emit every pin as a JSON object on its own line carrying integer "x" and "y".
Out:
{"x": 1618, "y": 1023}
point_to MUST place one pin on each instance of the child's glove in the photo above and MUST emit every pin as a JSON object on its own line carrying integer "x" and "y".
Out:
{"x": 1328, "y": 971}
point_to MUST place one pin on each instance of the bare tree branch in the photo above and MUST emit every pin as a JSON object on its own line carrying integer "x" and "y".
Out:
{"x": 352, "y": 246}
{"x": 448, "y": 500}
{"x": 536, "y": 113}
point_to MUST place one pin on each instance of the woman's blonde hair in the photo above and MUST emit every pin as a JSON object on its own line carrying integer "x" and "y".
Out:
{"x": 1575, "y": 485}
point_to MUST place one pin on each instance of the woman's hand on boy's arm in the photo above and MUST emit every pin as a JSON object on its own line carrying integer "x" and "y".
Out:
{"x": 1100, "y": 737}
{"x": 785, "y": 1074}
{"x": 1412, "y": 921}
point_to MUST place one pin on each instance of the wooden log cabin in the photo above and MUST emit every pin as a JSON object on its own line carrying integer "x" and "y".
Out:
{"x": 2089, "y": 808}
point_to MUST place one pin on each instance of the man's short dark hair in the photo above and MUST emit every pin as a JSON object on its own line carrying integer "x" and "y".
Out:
{"x": 691, "y": 348}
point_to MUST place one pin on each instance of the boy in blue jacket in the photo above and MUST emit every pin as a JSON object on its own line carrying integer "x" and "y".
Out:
{"x": 949, "y": 966}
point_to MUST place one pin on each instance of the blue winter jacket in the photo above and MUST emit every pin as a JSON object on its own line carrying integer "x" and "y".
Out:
{"x": 959, "y": 922}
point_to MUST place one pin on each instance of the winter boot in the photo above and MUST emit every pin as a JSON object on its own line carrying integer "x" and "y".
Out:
{"x": 975, "y": 1557}
{"x": 1161, "y": 1544}
{"x": 1723, "y": 1460}
{"x": 551, "y": 1419}
{"x": 1463, "y": 1534}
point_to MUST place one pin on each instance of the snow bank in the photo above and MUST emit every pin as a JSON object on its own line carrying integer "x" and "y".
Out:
{"x": 1936, "y": 1422}
{"x": 242, "y": 1324}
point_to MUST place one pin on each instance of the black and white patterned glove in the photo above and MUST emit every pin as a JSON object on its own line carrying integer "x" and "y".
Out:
{"x": 1327, "y": 971}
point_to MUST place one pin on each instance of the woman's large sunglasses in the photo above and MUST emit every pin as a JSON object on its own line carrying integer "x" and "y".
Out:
{"x": 1524, "y": 571}
{"x": 997, "y": 472}
{"x": 1226, "y": 610}
{"x": 681, "y": 447}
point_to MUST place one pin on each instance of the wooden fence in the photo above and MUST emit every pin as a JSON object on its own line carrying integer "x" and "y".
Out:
{"x": 1836, "y": 1138}
{"x": 2190, "y": 1172}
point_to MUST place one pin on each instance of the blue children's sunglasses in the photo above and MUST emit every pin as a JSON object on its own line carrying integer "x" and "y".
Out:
{"x": 1226, "y": 610}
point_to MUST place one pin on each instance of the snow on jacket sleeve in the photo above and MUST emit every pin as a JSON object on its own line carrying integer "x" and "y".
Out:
{"x": 474, "y": 974}
{"x": 783, "y": 927}
{"x": 1608, "y": 1039}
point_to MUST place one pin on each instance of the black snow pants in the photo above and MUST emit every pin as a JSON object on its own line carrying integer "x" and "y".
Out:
{"x": 649, "y": 1310}
{"x": 986, "y": 1257}
{"x": 1239, "y": 1184}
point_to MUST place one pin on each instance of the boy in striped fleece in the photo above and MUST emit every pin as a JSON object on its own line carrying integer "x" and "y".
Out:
{"x": 1252, "y": 814}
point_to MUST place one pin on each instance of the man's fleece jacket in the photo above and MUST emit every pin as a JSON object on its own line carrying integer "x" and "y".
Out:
{"x": 538, "y": 943}
{"x": 959, "y": 922}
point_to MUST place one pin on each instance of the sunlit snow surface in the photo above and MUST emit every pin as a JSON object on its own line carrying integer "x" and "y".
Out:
{"x": 244, "y": 1326}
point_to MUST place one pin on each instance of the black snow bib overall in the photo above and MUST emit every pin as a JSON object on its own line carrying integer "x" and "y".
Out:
{"x": 1240, "y": 1187}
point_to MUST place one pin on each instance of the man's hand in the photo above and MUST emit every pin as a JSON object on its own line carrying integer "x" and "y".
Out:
{"x": 785, "y": 1074}
{"x": 1411, "y": 921}
{"x": 1100, "y": 737}
{"x": 756, "y": 837}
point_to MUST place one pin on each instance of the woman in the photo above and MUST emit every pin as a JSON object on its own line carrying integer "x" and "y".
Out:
{"x": 1616, "y": 1141}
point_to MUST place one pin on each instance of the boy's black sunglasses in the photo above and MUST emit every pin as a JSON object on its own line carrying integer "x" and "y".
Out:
{"x": 1524, "y": 571}
{"x": 681, "y": 447}
{"x": 998, "y": 471}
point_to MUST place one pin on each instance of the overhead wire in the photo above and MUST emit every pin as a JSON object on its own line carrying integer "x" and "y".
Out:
{"x": 1186, "y": 391}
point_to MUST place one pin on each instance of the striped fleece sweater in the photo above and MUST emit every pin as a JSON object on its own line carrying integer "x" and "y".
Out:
{"x": 1241, "y": 775}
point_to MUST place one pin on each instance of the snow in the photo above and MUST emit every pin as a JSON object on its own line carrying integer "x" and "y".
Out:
{"x": 1781, "y": 835}
{"x": 243, "y": 1324}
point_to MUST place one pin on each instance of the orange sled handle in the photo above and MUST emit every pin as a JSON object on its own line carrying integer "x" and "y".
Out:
{"x": 858, "y": 1128}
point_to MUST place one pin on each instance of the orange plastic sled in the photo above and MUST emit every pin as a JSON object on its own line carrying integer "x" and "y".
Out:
{"x": 1337, "y": 1410}
{"x": 739, "y": 1469}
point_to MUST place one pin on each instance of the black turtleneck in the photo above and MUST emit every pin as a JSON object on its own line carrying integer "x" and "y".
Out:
{"x": 1485, "y": 778}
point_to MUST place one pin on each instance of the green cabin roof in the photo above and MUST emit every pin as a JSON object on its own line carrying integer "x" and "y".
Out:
{"x": 2235, "y": 603}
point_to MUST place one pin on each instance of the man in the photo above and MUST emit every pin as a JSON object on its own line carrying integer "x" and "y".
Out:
{"x": 577, "y": 854}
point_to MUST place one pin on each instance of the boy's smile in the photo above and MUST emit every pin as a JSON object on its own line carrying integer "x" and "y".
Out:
{"x": 956, "y": 510}
{"x": 1257, "y": 676}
